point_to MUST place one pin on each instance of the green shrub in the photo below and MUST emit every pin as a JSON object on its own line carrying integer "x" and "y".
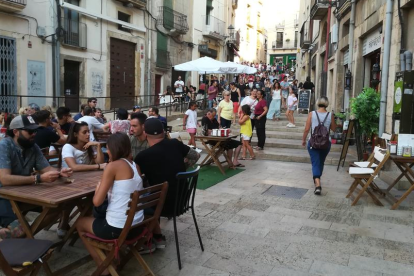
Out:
{"x": 366, "y": 108}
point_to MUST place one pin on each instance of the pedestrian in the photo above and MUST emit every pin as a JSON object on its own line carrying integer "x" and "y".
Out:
{"x": 260, "y": 112}
{"x": 318, "y": 156}
{"x": 295, "y": 87}
{"x": 292, "y": 103}
{"x": 212, "y": 94}
{"x": 179, "y": 85}
{"x": 121, "y": 124}
{"x": 235, "y": 97}
{"x": 285, "y": 90}
{"x": 225, "y": 111}
{"x": 190, "y": 122}
{"x": 308, "y": 85}
{"x": 246, "y": 132}
{"x": 274, "y": 108}
{"x": 99, "y": 116}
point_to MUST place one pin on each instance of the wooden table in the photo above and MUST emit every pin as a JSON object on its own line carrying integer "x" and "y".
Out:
{"x": 215, "y": 151}
{"x": 405, "y": 165}
{"x": 53, "y": 198}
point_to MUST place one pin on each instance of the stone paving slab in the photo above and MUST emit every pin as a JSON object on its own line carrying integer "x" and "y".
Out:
{"x": 245, "y": 232}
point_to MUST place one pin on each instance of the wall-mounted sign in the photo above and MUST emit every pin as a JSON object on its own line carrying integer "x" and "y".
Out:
{"x": 207, "y": 51}
{"x": 372, "y": 42}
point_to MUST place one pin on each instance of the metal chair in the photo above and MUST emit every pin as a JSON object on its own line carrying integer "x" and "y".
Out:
{"x": 184, "y": 200}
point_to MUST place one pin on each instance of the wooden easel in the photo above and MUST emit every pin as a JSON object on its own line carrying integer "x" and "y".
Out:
{"x": 352, "y": 127}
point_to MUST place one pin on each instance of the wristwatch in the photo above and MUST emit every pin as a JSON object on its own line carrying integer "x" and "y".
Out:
{"x": 37, "y": 179}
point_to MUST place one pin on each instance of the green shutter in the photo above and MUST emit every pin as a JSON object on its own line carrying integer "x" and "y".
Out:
{"x": 162, "y": 42}
{"x": 168, "y": 15}
{"x": 210, "y": 4}
{"x": 168, "y": 3}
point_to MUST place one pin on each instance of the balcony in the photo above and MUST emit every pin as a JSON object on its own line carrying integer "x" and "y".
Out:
{"x": 12, "y": 5}
{"x": 344, "y": 8}
{"x": 74, "y": 33}
{"x": 163, "y": 59}
{"x": 214, "y": 27}
{"x": 172, "y": 20}
{"x": 234, "y": 4}
{"x": 319, "y": 9}
{"x": 139, "y": 4}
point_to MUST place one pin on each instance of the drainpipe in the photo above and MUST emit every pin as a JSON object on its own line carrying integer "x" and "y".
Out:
{"x": 56, "y": 57}
{"x": 310, "y": 52}
{"x": 149, "y": 65}
{"x": 325, "y": 65}
{"x": 385, "y": 65}
{"x": 351, "y": 52}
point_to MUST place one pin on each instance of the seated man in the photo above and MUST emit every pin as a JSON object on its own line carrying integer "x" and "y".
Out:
{"x": 138, "y": 137}
{"x": 209, "y": 122}
{"x": 154, "y": 112}
{"x": 64, "y": 118}
{"x": 46, "y": 136}
{"x": 161, "y": 162}
{"x": 19, "y": 156}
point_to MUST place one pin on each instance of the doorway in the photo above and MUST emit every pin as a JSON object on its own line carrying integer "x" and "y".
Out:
{"x": 157, "y": 89}
{"x": 71, "y": 85}
{"x": 122, "y": 73}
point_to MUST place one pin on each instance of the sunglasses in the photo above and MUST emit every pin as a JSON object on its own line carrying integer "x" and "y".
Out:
{"x": 30, "y": 131}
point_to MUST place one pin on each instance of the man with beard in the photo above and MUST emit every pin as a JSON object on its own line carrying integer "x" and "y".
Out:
{"x": 138, "y": 137}
{"x": 19, "y": 156}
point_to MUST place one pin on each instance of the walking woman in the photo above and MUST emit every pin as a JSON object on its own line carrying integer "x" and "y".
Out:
{"x": 274, "y": 108}
{"x": 225, "y": 111}
{"x": 235, "y": 97}
{"x": 119, "y": 180}
{"x": 260, "y": 112}
{"x": 318, "y": 156}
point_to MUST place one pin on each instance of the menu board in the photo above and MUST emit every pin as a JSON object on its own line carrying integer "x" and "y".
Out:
{"x": 304, "y": 99}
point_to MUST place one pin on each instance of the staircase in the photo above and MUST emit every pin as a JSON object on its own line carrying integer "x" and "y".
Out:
{"x": 282, "y": 143}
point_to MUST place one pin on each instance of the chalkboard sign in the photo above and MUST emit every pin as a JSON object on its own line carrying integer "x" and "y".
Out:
{"x": 304, "y": 99}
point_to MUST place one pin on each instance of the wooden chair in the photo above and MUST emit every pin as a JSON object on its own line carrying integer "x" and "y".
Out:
{"x": 101, "y": 136}
{"x": 175, "y": 135}
{"x": 107, "y": 250}
{"x": 370, "y": 163}
{"x": 53, "y": 159}
{"x": 13, "y": 263}
{"x": 184, "y": 200}
{"x": 364, "y": 177}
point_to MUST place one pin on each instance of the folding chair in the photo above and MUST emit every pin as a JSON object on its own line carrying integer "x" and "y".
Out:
{"x": 24, "y": 256}
{"x": 108, "y": 250}
{"x": 365, "y": 177}
{"x": 370, "y": 162}
{"x": 184, "y": 200}
{"x": 175, "y": 135}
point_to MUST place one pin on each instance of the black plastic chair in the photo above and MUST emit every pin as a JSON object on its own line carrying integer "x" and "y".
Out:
{"x": 184, "y": 200}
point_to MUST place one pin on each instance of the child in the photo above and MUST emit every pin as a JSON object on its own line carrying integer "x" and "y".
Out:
{"x": 215, "y": 107}
{"x": 246, "y": 132}
{"x": 190, "y": 122}
{"x": 292, "y": 102}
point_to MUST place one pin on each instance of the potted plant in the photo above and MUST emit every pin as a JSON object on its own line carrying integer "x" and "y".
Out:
{"x": 366, "y": 108}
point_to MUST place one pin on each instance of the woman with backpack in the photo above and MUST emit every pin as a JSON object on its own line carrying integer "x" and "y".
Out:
{"x": 319, "y": 144}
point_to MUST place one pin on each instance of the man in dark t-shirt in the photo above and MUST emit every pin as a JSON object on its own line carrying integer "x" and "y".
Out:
{"x": 46, "y": 136}
{"x": 308, "y": 85}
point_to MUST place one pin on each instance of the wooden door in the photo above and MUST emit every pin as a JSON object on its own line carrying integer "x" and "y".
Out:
{"x": 122, "y": 78}
{"x": 71, "y": 85}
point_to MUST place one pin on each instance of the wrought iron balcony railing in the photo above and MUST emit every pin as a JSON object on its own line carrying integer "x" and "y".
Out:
{"x": 171, "y": 19}
{"x": 163, "y": 59}
{"x": 12, "y": 5}
{"x": 74, "y": 33}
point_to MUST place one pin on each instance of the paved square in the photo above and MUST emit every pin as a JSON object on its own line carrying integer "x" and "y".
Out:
{"x": 247, "y": 232}
{"x": 287, "y": 192}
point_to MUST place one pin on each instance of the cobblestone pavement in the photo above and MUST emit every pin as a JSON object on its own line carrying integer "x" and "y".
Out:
{"x": 247, "y": 232}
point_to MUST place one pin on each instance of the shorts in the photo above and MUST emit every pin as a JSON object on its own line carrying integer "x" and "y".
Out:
{"x": 293, "y": 108}
{"x": 285, "y": 94}
{"x": 103, "y": 230}
{"x": 245, "y": 137}
{"x": 192, "y": 130}
{"x": 235, "y": 107}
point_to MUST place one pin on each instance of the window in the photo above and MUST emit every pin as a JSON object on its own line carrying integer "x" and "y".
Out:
{"x": 296, "y": 39}
{"x": 126, "y": 18}
{"x": 279, "y": 40}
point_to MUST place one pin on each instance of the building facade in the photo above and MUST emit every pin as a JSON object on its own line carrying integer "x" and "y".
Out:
{"x": 325, "y": 48}
{"x": 253, "y": 35}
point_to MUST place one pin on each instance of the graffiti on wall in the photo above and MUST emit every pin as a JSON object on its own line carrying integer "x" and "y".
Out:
{"x": 36, "y": 81}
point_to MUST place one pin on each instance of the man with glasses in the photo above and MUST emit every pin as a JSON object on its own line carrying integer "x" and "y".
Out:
{"x": 92, "y": 103}
{"x": 20, "y": 156}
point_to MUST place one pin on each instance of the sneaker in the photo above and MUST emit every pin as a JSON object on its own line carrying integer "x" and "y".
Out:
{"x": 318, "y": 190}
{"x": 160, "y": 243}
{"x": 292, "y": 125}
{"x": 288, "y": 125}
{"x": 147, "y": 248}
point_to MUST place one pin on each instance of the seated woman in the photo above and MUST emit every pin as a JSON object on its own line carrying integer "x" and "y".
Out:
{"x": 119, "y": 180}
{"x": 79, "y": 155}
{"x": 121, "y": 124}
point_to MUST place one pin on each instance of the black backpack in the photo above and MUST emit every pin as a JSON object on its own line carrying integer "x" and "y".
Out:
{"x": 320, "y": 136}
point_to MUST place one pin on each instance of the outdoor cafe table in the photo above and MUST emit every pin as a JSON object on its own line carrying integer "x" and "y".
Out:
{"x": 405, "y": 165}
{"x": 53, "y": 198}
{"x": 215, "y": 151}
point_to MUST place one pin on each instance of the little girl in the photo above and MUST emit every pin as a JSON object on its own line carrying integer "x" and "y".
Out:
{"x": 246, "y": 132}
{"x": 190, "y": 122}
{"x": 292, "y": 102}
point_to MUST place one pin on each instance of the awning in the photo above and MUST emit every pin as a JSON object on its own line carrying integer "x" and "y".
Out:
{"x": 236, "y": 53}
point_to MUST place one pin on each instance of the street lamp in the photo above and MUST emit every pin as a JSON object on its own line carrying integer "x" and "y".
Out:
{"x": 376, "y": 71}
{"x": 231, "y": 34}
{"x": 348, "y": 80}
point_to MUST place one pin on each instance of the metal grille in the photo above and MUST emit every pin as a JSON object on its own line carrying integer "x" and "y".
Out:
{"x": 171, "y": 19}
{"x": 287, "y": 192}
{"x": 8, "y": 78}
{"x": 75, "y": 33}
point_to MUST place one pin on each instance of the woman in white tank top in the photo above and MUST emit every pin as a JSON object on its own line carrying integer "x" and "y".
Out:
{"x": 119, "y": 180}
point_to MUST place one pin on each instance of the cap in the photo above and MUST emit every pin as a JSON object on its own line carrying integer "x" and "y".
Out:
{"x": 23, "y": 122}
{"x": 136, "y": 107}
{"x": 153, "y": 126}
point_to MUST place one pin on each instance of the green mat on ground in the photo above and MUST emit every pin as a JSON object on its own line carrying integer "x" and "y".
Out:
{"x": 211, "y": 175}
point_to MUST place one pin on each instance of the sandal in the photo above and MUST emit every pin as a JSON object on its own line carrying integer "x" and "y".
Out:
{"x": 318, "y": 190}
{"x": 242, "y": 158}
{"x": 252, "y": 158}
